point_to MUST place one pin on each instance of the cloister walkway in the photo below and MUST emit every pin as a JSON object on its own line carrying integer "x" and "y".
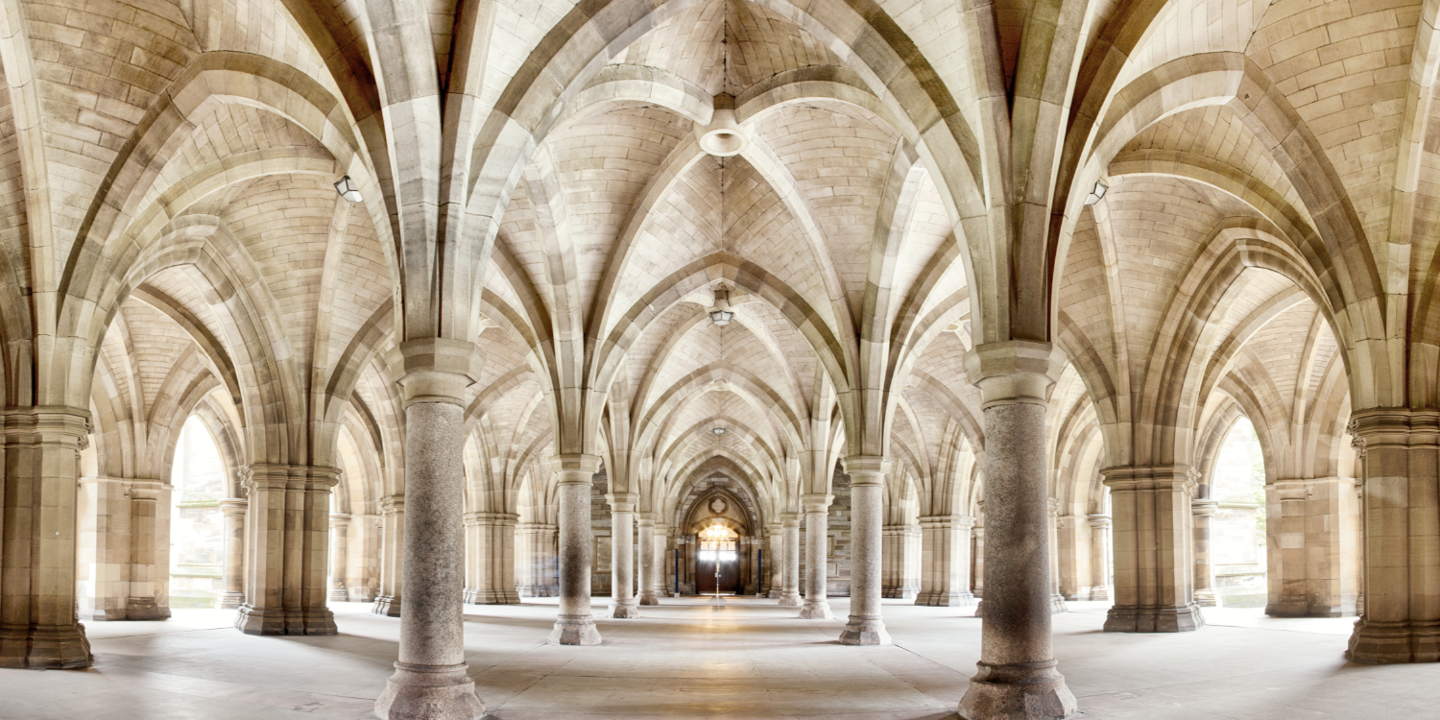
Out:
{"x": 736, "y": 658}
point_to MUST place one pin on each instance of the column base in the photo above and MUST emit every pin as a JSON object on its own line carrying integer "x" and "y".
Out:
{"x": 1029, "y": 691}
{"x": 1207, "y": 598}
{"x": 429, "y": 692}
{"x": 1152, "y": 619}
{"x": 1383, "y": 643}
{"x": 574, "y": 630}
{"x": 387, "y": 606}
{"x": 1057, "y": 605}
{"x": 1100, "y": 593}
{"x": 492, "y": 597}
{"x": 865, "y": 630}
{"x": 630, "y": 609}
{"x": 945, "y": 599}
{"x": 145, "y": 608}
{"x": 261, "y": 621}
{"x": 649, "y": 598}
{"x": 228, "y": 601}
{"x": 55, "y": 647}
{"x": 791, "y": 600}
{"x": 339, "y": 595}
{"x": 816, "y": 610}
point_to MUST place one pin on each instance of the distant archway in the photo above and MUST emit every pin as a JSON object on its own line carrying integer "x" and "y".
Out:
{"x": 197, "y": 541}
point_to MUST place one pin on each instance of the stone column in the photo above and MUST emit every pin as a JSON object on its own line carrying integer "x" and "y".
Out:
{"x": 233, "y": 511}
{"x": 38, "y": 625}
{"x": 1205, "y": 595}
{"x": 431, "y": 680}
{"x": 1154, "y": 572}
{"x": 790, "y": 583}
{"x": 1099, "y": 557}
{"x": 1017, "y": 676}
{"x": 288, "y": 534}
{"x": 866, "y": 625}
{"x": 945, "y": 573}
{"x": 491, "y": 558}
{"x": 622, "y": 556}
{"x": 575, "y": 477}
{"x": 646, "y": 541}
{"x": 775, "y": 559}
{"x": 339, "y": 558}
{"x": 817, "y": 566}
{"x": 662, "y": 543}
{"x": 149, "y": 594}
{"x": 392, "y": 561}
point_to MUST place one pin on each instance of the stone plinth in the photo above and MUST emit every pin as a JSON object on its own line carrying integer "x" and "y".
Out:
{"x": 1154, "y": 587}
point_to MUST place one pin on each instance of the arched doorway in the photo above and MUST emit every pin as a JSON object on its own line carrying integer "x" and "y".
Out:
{"x": 717, "y": 566}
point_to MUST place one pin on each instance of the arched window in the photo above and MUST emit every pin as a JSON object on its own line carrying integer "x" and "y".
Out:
{"x": 717, "y": 542}
{"x": 1238, "y": 529}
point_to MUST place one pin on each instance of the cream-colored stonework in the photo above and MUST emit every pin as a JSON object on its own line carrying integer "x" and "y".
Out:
{"x": 1035, "y": 260}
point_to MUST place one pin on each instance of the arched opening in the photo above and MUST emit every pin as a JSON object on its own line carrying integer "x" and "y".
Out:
{"x": 717, "y": 567}
{"x": 1238, "y": 526}
{"x": 197, "y": 542}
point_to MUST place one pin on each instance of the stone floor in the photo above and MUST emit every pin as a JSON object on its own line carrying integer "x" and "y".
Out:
{"x": 733, "y": 659}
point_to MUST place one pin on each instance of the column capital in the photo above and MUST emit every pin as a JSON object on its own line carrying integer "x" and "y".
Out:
{"x": 622, "y": 501}
{"x": 790, "y": 520}
{"x": 576, "y": 469}
{"x": 488, "y": 518}
{"x": 234, "y": 506}
{"x": 1052, "y": 506}
{"x": 431, "y": 370}
{"x": 816, "y": 502}
{"x": 1099, "y": 521}
{"x": 964, "y": 522}
{"x": 1131, "y": 478}
{"x": 868, "y": 469}
{"x": 1203, "y": 508}
{"x": 339, "y": 521}
{"x": 46, "y": 422}
{"x": 1014, "y": 371}
{"x": 392, "y": 504}
{"x": 271, "y": 476}
{"x": 644, "y": 520}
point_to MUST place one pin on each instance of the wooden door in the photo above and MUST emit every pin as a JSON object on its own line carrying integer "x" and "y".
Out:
{"x": 705, "y": 577}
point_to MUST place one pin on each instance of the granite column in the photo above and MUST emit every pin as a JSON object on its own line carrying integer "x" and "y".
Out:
{"x": 866, "y": 626}
{"x": 817, "y": 540}
{"x": 575, "y": 476}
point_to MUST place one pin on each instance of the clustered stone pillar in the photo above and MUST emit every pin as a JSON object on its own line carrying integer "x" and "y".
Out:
{"x": 491, "y": 556}
{"x": 536, "y": 573}
{"x": 790, "y": 582}
{"x": 899, "y": 547}
{"x": 288, "y": 534}
{"x": 1017, "y": 676}
{"x": 38, "y": 626}
{"x": 392, "y": 561}
{"x": 233, "y": 512}
{"x": 645, "y": 541}
{"x": 1099, "y": 557}
{"x": 817, "y": 539}
{"x": 431, "y": 680}
{"x": 1311, "y": 532}
{"x": 1154, "y": 569}
{"x": 662, "y": 541}
{"x": 1399, "y": 450}
{"x": 622, "y": 556}
{"x": 339, "y": 554}
{"x": 1205, "y": 596}
{"x": 977, "y": 561}
{"x": 945, "y": 558}
{"x": 1052, "y": 529}
{"x": 867, "y": 498}
{"x": 575, "y": 477}
{"x": 123, "y": 549}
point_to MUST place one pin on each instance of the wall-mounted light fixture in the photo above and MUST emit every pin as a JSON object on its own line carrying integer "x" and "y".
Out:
{"x": 347, "y": 189}
{"x": 1097, "y": 193}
